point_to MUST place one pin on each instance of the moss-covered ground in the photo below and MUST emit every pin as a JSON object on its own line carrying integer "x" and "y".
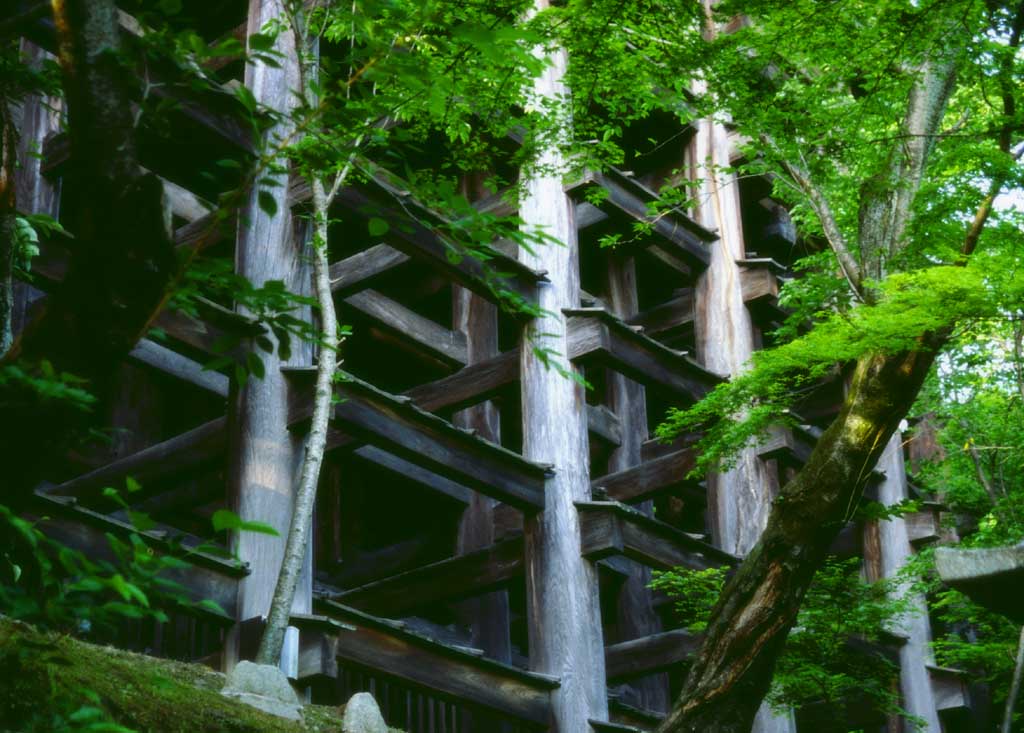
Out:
{"x": 53, "y": 683}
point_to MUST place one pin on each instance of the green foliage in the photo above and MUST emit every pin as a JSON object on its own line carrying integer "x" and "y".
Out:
{"x": 911, "y": 305}
{"x": 828, "y": 656}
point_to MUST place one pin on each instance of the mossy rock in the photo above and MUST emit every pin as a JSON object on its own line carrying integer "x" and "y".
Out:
{"x": 51, "y": 682}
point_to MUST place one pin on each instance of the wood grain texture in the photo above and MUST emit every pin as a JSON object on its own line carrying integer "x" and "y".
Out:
{"x": 363, "y": 640}
{"x": 892, "y": 543}
{"x": 563, "y": 609}
{"x": 263, "y": 455}
{"x": 209, "y": 577}
{"x": 610, "y": 528}
{"x": 399, "y": 427}
{"x": 476, "y": 320}
{"x": 739, "y": 499}
{"x": 627, "y": 399}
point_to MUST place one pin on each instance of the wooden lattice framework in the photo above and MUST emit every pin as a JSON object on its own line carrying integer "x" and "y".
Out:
{"x": 485, "y": 529}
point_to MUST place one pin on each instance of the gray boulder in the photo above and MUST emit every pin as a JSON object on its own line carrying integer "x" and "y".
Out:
{"x": 264, "y": 687}
{"x": 362, "y": 715}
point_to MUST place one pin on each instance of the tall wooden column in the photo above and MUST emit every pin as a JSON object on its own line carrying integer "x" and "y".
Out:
{"x": 739, "y": 499}
{"x": 264, "y": 456}
{"x": 887, "y": 549}
{"x": 489, "y": 617}
{"x": 34, "y": 193}
{"x": 627, "y": 399}
{"x": 562, "y": 592}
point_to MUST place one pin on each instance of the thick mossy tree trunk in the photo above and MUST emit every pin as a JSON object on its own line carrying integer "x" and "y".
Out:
{"x": 122, "y": 254}
{"x": 759, "y": 605}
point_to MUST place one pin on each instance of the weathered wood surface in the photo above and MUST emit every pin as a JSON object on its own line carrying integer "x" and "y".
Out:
{"x": 563, "y": 604}
{"x": 949, "y": 687}
{"x": 887, "y": 549}
{"x": 445, "y": 344}
{"x": 635, "y": 613}
{"x": 398, "y": 426}
{"x": 209, "y": 577}
{"x": 414, "y": 238}
{"x": 353, "y": 637}
{"x": 469, "y": 574}
{"x": 185, "y": 452}
{"x": 651, "y": 477}
{"x": 610, "y": 528}
{"x": 476, "y": 320}
{"x": 263, "y": 455}
{"x": 678, "y": 235}
{"x": 184, "y": 100}
{"x": 356, "y": 272}
{"x": 648, "y": 654}
{"x": 170, "y": 362}
{"x": 607, "y": 340}
{"x": 669, "y": 320}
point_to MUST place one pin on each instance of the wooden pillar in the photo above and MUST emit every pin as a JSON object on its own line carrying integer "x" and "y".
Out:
{"x": 34, "y": 193}
{"x": 739, "y": 499}
{"x": 564, "y": 615}
{"x": 887, "y": 549}
{"x": 488, "y": 614}
{"x": 627, "y": 399}
{"x": 264, "y": 457}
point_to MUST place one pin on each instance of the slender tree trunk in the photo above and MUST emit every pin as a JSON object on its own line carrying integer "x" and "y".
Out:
{"x": 305, "y": 495}
{"x": 1018, "y": 673}
{"x": 759, "y": 605}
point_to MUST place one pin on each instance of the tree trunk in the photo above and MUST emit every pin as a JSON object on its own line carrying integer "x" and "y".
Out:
{"x": 123, "y": 258}
{"x": 733, "y": 670}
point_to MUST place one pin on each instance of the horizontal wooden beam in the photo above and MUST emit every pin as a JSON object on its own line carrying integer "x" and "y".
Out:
{"x": 354, "y": 273}
{"x": 398, "y": 426}
{"x": 669, "y": 319}
{"x": 455, "y": 578}
{"x": 171, "y": 362}
{"x": 650, "y": 477}
{"x": 649, "y": 654}
{"x": 597, "y": 335}
{"x": 760, "y": 288}
{"x": 352, "y": 637}
{"x": 209, "y": 577}
{"x": 415, "y": 231}
{"x": 443, "y": 343}
{"x": 611, "y": 528}
{"x": 184, "y": 452}
{"x": 678, "y": 236}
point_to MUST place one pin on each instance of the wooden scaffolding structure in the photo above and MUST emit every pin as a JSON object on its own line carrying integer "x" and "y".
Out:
{"x": 486, "y": 528}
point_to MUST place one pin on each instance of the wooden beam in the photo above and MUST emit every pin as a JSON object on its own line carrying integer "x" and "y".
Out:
{"x": 650, "y": 477}
{"x": 603, "y": 338}
{"x": 760, "y": 288}
{"x": 611, "y": 528}
{"x": 670, "y": 319}
{"x": 353, "y": 637}
{"x": 354, "y": 273}
{"x": 679, "y": 236}
{"x": 171, "y": 362}
{"x": 443, "y": 343}
{"x": 455, "y": 578}
{"x": 398, "y": 426}
{"x": 185, "y": 452}
{"x": 649, "y": 654}
{"x": 414, "y": 235}
{"x": 209, "y": 577}
{"x": 949, "y": 687}
{"x": 415, "y": 473}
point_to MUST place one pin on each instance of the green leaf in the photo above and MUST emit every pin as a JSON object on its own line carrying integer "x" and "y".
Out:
{"x": 377, "y": 227}
{"x": 267, "y": 202}
{"x": 225, "y": 519}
